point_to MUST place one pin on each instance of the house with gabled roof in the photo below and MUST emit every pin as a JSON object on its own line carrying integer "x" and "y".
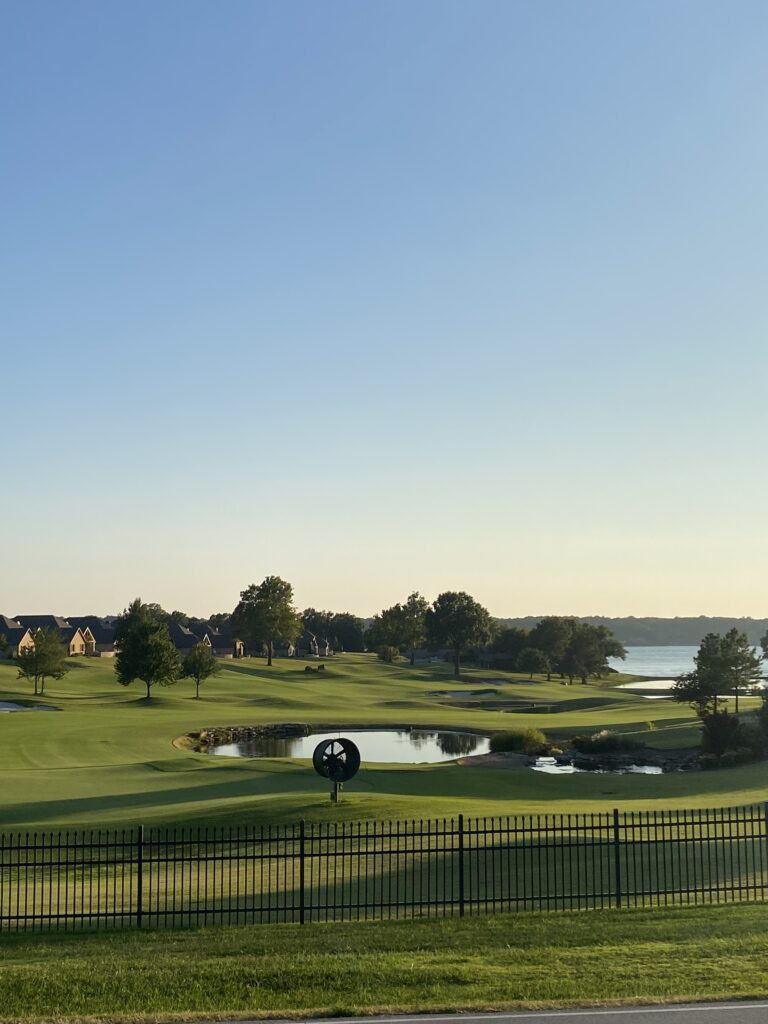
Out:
{"x": 76, "y": 640}
{"x": 183, "y": 638}
{"x": 222, "y": 643}
{"x": 102, "y": 632}
{"x": 18, "y": 638}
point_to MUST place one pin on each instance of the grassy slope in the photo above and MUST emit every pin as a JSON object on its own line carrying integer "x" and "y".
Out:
{"x": 503, "y": 962}
{"x": 108, "y": 757}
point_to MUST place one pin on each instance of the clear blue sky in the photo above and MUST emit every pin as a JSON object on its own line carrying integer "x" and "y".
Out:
{"x": 383, "y": 296}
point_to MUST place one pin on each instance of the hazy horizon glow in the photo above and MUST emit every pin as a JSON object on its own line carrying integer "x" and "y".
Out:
{"x": 382, "y": 297}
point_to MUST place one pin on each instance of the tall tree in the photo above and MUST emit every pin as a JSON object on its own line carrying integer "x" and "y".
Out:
{"x": 402, "y": 626}
{"x": 588, "y": 651}
{"x": 532, "y": 660}
{"x": 47, "y": 659}
{"x": 723, "y": 664}
{"x": 413, "y": 616}
{"x": 509, "y": 643}
{"x": 144, "y": 648}
{"x": 266, "y": 613}
{"x": 347, "y": 632}
{"x": 552, "y": 635}
{"x": 384, "y": 630}
{"x": 457, "y": 621}
{"x": 199, "y": 664}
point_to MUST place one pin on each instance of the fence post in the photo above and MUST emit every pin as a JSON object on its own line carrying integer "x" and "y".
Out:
{"x": 140, "y": 880}
{"x": 461, "y": 865}
{"x": 302, "y": 832}
{"x": 617, "y": 855}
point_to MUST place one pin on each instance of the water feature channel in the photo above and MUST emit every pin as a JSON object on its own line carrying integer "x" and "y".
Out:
{"x": 377, "y": 746}
{"x": 551, "y": 766}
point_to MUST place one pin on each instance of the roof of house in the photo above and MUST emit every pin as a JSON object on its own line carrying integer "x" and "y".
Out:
{"x": 218, "y": 637}
{"x": 34, "y": 622}
{"x": 39, "y": 621}
{"x": 182, "y": 638}
{"x": 13, "y": 632}
{"x": 102, "y": 632}
{"x": 220, "y": 642}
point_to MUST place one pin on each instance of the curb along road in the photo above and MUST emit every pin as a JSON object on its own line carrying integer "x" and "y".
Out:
{"x": 687, "y": 1013}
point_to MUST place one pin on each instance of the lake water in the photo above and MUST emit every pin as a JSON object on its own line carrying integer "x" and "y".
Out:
{"x": 387, "y": 746}
{"x": 656, "y": 662}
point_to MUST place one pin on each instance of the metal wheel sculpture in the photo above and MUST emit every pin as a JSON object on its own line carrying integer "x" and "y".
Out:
{"x": 337, "y": 760}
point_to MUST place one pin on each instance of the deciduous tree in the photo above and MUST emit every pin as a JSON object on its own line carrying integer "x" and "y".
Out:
{"x": 457, "y": 621}
{"x": 199, "y": 664}
{"x": 266, "y": 613}
{"x": 413, "y": 620}
{"x": 402, "y": 626}
{"x": 532, "y": 661}
{"x": 588, "y": 651}
{"x": 144, "y": 648}
{"x": 47, "y": 659}
{"x": 508, "y": 644}
{"x": 552, "y": 635}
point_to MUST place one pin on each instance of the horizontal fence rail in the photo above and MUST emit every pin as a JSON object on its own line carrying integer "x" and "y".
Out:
{"x": 133, "y": 878}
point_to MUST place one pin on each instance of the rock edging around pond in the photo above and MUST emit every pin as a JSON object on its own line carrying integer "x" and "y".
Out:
{"x": 219, "y": 735}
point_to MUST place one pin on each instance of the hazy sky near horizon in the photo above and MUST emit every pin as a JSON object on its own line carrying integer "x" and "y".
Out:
{"x": 384, "y": 296}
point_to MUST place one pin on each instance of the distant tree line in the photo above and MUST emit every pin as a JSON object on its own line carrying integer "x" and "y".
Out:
{"x": 648, "y": 632}
{"x": 456, "y": 623}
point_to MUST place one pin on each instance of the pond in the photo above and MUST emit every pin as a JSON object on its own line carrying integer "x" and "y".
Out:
{"x": 387, "y": 746}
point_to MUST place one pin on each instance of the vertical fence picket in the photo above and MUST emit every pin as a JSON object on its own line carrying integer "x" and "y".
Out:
{"x": 140, "y": 877}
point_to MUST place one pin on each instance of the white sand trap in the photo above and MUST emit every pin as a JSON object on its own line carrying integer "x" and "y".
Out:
{"x": 649, "y": 684}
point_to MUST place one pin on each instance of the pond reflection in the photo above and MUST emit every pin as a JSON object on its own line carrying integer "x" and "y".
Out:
{"x": 387, "y": 746}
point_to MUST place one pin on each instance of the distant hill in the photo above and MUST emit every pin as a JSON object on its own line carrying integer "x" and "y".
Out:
{"x": 651, "y": 632}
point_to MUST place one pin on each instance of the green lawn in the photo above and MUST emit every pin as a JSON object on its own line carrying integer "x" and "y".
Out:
{"x": 503, "y": 962}
{"x": 107, "y": 757}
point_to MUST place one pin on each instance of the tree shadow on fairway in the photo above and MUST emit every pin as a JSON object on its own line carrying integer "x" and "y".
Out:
{"x": 106, "y": 807}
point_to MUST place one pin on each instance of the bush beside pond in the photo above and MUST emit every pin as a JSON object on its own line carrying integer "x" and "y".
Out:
{"x": 521, "y": 741}
{"x": 605, "y": 742}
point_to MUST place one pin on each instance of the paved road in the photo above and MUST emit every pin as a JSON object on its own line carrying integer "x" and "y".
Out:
{"x": 706, "y": 1013}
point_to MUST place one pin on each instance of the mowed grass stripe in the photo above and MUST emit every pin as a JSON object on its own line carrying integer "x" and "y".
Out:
{"x": 504, "y": 962}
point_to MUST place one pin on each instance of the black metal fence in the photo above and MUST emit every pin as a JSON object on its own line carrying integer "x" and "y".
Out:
{"x": 365, "y": 870}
